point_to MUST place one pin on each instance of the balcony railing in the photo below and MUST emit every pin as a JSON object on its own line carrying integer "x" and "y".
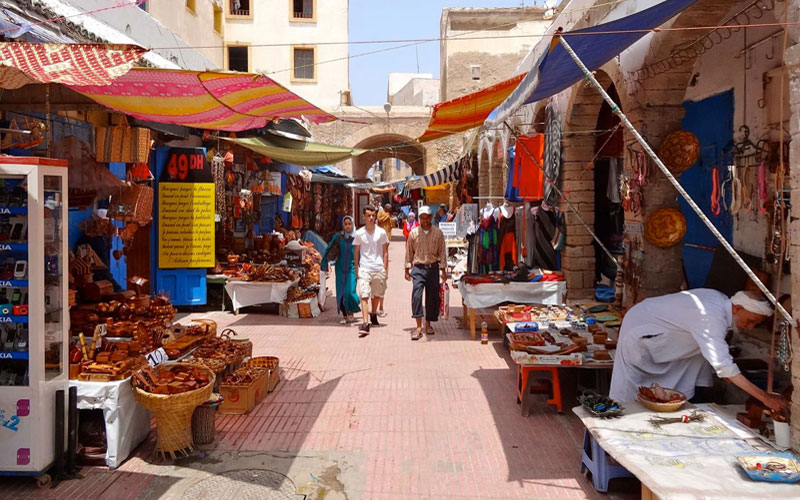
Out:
{"x": 303, "y": 15}
{"x": 239, "y": 8}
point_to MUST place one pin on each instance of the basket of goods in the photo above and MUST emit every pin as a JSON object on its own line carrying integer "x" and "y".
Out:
{"x": 661, "y": 399}
{"x": 203, "y": 425}
{"x": 172, "y": 393}
{"x": 242, "y": 389}
{"x": 679, "y": 151}
{"x": 600, "y": 406}
{"x": 665, "y": 227}
{"x": 271, "y": 364}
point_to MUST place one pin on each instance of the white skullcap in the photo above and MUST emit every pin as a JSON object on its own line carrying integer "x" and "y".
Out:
{"x": 761, "y": 307}
{"x": 425, "y": 210}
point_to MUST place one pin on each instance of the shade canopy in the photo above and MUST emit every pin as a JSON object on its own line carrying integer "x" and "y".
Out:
{"x": 448, "y": 174}
{"x": 22, "y": 63}
{"x": 307, "y": 154}
{"x": 595, "y": 46}
{"x": 469, "y": 111}
{"x": 203, "y": 99}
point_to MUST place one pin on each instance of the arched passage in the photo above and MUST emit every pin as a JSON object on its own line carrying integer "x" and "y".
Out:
{"x": 388, "y": 145}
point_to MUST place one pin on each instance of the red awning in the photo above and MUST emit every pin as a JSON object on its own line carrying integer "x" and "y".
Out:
{"x": 469, "y": 111}
{"x": 22, "y": 63}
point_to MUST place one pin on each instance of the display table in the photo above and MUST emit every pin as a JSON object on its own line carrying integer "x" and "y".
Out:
{"x": 683, "y": 461}
{"x": 491, "y": 294}
{"x": 127, "y": 423}
{"x": 249, "y": 293}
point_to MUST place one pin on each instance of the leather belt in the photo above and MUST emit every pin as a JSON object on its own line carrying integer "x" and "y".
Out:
{"x": 427, "y": 266}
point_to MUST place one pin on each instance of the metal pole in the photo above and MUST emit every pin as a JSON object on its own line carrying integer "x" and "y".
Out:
{"x": 615, "y": 109}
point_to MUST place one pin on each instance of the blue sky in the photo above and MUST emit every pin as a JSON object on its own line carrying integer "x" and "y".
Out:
{"x": 393, "y": 20}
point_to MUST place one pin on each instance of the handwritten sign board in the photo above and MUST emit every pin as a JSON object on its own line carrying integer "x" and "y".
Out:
{"x": 448, "y": 229}
{"x": 186, "y": 211}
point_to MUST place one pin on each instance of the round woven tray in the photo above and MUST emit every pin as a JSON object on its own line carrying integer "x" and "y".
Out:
{"x": 173, "y": 414}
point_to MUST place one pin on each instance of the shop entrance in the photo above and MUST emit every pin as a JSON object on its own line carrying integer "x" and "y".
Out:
{"x": 609, "y": 216}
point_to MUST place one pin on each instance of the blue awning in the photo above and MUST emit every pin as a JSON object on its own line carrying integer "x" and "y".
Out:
{"x": 595, "y": 46}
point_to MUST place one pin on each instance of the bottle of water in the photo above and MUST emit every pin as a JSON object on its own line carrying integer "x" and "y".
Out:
{"x": 484, "y": 333}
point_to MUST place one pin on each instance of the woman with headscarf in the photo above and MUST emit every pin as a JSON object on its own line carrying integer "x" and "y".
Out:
{"x": 341, "y": 247}
{"x": 410, "y": 223}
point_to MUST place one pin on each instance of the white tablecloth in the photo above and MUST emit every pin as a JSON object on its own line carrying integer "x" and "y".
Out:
{"x": 248, "y": 293}
{"x": 127, "y": 423}
{"x": 684, "y": 461}
{"x": 491, "y": 294}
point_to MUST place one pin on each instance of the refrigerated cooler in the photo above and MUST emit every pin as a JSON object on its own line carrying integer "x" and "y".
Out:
{"x": 34, "y": 316}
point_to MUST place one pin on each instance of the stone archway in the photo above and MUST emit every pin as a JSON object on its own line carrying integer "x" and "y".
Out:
{"x": 388, "y": 145}
{"x": 577, "y": 174}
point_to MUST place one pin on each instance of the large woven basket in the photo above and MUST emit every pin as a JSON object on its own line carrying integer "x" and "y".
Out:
{"x": 173, "y": 414}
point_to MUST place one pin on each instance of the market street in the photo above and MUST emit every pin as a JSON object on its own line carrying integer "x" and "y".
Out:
{"x": 399, "y": 419}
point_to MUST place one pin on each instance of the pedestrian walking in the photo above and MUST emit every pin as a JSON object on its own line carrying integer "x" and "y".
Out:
{"x": 372, "y": 267}
{"x": 410, "y": 223}
{"x": 385, "y": 220}
{"x": 341, "y": 250}
{"x": 425, "y": 260}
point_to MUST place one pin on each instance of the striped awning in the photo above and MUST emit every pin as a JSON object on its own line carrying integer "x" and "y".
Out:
{"x": 213, "y": 100}
{"x": 22, "y": 63}
{"x": 469, "y": 111}
{"x": 450, "y": 173}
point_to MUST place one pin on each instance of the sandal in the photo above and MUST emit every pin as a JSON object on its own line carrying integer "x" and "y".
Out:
{"x": 429, "y": 331}
{"x": 343, "y": 321}
{"x": 417, "y": 334}
{"x": 382, "y": 313}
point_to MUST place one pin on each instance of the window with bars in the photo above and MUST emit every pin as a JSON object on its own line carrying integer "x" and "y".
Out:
{"x": 303, "y": 68}
{"x": 240, "y": 7}
{"x": 303, "y": 9}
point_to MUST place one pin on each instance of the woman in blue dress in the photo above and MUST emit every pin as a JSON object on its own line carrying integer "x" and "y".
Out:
{"x": 347, "y": 300}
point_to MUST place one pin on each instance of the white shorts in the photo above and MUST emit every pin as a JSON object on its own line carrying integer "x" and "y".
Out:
{"x": 371, "y": 283}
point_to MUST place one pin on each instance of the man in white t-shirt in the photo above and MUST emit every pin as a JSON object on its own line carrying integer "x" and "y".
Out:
{"x": 372, "y": 267}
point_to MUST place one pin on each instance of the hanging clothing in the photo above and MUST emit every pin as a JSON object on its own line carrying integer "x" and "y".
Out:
{"x": 675, "y": 341}
{"x": 487, "y": 244}
{"x": 506, "y": 236}
{"x": 542, "y": 227}
{"x": 529, "y": 177}
{"x": 512, "y": 185}
{"x": 347, "y": 301}
{"x": 614, "y": 173}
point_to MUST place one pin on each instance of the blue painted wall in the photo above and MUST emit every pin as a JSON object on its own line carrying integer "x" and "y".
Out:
{"x": 711, "y": 120}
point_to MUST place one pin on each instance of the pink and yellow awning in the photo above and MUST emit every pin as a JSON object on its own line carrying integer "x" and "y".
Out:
{"x": 202, "y": 99}
{"x": 469, "y": 111}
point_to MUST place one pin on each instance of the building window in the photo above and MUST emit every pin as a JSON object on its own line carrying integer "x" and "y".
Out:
{"x": 303, "y": 10}
{"x": 190, "y": 6}
{"x": 217, "y": 20}
{"x": 239, "y": 58}
{"x": 303, "y": 59}
{"x": 240, "y": 7}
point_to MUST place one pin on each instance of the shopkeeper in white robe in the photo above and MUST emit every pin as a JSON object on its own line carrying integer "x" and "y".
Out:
{"x": 676, "y": 341}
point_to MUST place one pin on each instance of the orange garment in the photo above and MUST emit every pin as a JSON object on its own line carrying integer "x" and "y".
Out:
{"x": 528, "y": 177}
{"x": 386, "y": 221}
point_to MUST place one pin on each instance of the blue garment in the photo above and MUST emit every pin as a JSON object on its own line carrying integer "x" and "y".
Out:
{"x": 346, "y": 298}
{"x": 512, "y": 193}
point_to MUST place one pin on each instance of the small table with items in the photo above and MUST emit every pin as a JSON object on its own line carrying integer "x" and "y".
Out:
{"x": 700, "y": 458}
{"x": 549, "y": 338}
{"x": 484, "y": 295}
{"x": 249, "y": 293}
{"x": 127, "y": 423}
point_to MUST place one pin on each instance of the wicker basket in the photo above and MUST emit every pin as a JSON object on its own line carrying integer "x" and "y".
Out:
{"x": 271, "y": 364}
{"x": 173, "y": 414}
{"x": 204, "y": 429}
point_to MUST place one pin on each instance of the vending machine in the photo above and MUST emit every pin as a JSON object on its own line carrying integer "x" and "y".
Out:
{"x": 34, "y": 315}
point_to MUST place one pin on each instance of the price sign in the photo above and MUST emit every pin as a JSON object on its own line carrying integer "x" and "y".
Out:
{"x": 448, "y": 228}
{"x": 157, "y": 357}
{"x": 186, "y": 165}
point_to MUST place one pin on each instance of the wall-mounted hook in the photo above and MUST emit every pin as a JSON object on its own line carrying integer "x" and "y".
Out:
{"x": 765, "y": 80}
{"x": 748, "y": 60}
{"x": 771, "y": 55}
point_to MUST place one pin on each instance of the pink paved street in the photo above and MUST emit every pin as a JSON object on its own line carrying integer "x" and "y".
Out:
{"x": 432, "y": 419}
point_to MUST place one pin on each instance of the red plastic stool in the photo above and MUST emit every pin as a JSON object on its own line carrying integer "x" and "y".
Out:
{"x": 550, "y": 387}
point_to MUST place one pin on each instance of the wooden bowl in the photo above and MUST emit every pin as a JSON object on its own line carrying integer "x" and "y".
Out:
{"x": 663, "y": 407}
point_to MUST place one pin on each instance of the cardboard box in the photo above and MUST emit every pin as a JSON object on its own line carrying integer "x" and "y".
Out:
{"x": 304, "y": 309}
{"x": 239, "y": 399}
